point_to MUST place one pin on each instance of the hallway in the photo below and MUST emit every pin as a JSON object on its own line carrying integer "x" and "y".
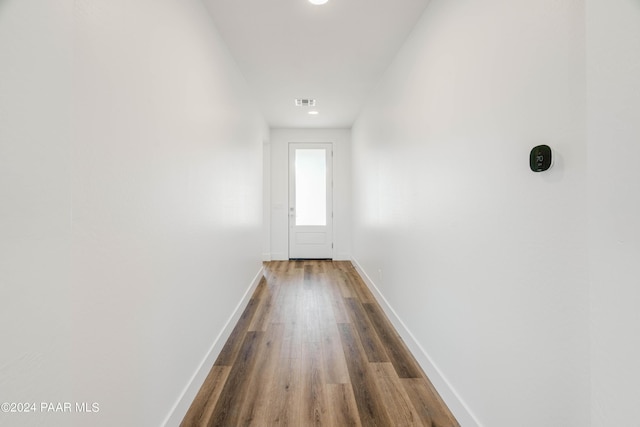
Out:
{"x": 314, "y": 348}
{"x": 145, "y": 179}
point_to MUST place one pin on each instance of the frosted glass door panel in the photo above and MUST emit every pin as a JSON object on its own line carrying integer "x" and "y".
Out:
{"x": 311, "y": 186}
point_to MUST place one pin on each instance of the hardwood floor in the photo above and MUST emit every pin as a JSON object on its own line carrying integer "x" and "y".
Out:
{"x": 313, "y": 348}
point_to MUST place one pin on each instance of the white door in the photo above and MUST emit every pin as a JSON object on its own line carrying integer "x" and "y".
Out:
{"x": 310, "y": 201}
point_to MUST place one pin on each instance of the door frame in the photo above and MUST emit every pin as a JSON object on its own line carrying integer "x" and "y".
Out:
{"x": 291, "y": 192}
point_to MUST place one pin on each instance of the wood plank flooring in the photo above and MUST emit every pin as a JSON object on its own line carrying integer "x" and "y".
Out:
{"x": 313, "y": 348}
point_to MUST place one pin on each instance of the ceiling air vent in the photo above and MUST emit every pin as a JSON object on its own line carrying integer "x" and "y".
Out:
{"x": 305, "y": 102}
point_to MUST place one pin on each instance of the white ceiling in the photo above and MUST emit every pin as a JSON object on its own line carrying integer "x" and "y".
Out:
{"x": 334, "y": 53}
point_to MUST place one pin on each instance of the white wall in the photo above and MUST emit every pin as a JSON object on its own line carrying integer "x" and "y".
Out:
{"x": 35, "y": 206}
{"x": 279, "y": 142}
{"x": 483, "y": 260}
{"x": 613, "y": 52}
{"x": 131, "y": 203}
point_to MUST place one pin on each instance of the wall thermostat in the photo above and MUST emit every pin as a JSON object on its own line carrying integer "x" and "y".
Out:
{"x": 540, "y": 158}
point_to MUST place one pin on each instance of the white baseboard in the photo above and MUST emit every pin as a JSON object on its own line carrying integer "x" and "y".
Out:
{"x": 342, "y": 256}
{"x": 279, "y": 256}
{"x": 181, "y": 407}
{"x": 457, "y": 406}
{"x": 266, "y": 256}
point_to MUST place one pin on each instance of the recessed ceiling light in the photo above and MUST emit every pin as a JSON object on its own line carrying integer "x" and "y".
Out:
{"x": 318, "y": 2}
{"x": 313, "y": 112}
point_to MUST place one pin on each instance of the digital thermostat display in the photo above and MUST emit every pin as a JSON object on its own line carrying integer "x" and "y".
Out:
{"x": 540, "y": 158}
